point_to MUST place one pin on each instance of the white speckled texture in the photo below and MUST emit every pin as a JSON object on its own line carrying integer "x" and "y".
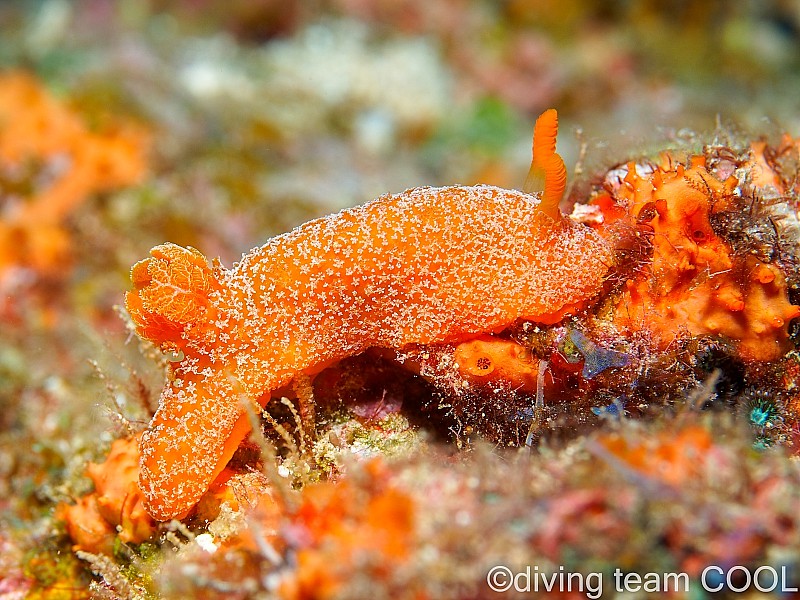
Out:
{"x": 428, "y": 265}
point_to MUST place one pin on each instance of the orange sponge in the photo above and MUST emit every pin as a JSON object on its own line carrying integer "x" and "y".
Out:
{"x": 696, "y": 284}
{"x": 115, "y": 506}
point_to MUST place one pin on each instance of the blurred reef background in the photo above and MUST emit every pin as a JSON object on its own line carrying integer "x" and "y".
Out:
{"x": 219, "y": 124}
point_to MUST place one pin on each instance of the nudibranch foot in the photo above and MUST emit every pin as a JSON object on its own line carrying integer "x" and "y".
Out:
{"x": 194, "y": 433}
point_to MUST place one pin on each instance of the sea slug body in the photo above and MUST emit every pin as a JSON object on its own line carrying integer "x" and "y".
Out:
{"x": 429, "y": 265}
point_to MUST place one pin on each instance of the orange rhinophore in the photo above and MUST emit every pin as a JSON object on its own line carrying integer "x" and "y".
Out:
{"x": 429, "y": 265}
{"x": 547, "y": 174}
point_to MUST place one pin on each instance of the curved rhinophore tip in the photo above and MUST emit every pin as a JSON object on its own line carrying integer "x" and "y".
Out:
{"x": 547, "y": 174}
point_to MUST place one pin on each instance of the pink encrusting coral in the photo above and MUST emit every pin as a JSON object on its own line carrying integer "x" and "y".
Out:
{"x": 425, "y": 266}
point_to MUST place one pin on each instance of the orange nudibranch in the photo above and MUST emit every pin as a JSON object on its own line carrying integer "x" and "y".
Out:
{"x": 429, "y": 265}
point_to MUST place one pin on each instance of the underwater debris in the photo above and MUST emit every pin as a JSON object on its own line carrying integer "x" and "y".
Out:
{"x": 245, "y": 332}
{"x": 595, "y": 358}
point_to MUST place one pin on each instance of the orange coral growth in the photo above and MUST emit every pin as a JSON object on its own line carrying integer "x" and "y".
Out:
{"x": 486, "y": 359}
{"x": 115, "y": 506}
{"x": 86, "y": 527}
{"x": 41, "y": 133}
{"x": 671, "y": 457}
{"x": 343, "y": 528}
{"x": 426, "y": 266}
{"x": 696, "y": 283}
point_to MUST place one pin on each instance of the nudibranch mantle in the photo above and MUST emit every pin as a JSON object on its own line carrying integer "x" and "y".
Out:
{"x": 428, "y": 265}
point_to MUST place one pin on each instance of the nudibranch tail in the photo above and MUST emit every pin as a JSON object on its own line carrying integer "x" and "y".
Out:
{"x": 547, "y": 174}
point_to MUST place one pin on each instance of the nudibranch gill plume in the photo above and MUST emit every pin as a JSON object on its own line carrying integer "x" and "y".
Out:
{"x": 428, "y": 265}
